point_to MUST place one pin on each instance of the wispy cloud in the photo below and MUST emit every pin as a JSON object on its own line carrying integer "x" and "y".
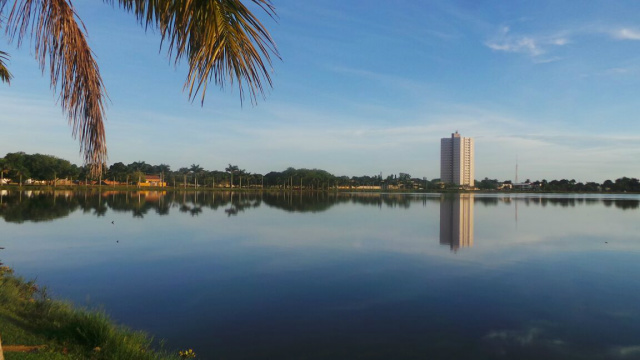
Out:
{"x": 618, "y": 71}
{"x": 399, "y": 82}
{"x": 531, "y": 45}
{"x": 626, "y": 34}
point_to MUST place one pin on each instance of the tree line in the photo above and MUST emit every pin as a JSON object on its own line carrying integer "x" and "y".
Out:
{"x": 623, "y": 184}
{"x": 48, "y": 169}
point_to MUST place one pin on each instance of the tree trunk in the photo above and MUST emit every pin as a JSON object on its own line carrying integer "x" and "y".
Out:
{"x": 1, "y": 355}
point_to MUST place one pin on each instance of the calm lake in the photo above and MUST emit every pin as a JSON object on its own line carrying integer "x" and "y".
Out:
{"x": 343, "y": 276}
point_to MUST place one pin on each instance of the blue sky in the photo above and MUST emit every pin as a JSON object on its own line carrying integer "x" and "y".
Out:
{"x": 370, "y": 86}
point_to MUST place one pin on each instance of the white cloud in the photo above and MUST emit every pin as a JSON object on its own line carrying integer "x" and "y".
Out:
{"x": 531, "y": 45}
{"x": 399, "y": 82}
{"x": 560, "y": 41}
{"x": 524, "y": 45}
{"x": 626, "y": 34}
{"x": 618, "y": 71}
{"x": 541, "y": 60}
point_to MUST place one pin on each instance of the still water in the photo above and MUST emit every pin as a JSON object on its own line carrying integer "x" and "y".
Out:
{"x": 343, "y": 276}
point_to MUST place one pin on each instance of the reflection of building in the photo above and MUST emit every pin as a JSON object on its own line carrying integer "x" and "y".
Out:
{"x": 456, "y": 221}
{"x": 456, "y": 160}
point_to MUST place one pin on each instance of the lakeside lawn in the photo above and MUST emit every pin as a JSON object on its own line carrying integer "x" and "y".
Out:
{"x": 29, "y": 317}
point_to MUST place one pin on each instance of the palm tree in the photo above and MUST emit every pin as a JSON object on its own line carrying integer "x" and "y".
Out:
{"x": 242, "y": 173}
{"x": 4, "y": 168}
{"x": 5, "y": 75}
{"x": 231, "y": 169}
{"x": 222, "y": 41}
{"x": 196, "y": 169}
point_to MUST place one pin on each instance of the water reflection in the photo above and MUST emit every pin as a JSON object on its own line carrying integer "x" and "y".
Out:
{"x": 456, "y": 221}
{"x": 37, "y": 206}
{"x": 342, "y": 275}
{"x": 456, "y": 215}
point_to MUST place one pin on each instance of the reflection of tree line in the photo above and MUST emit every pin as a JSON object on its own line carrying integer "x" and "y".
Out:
{"x": 46, "y": 206}
{"x": 18, "y": 207}
{"x": 317, "y": 202}
{"x": 623, "y": 204}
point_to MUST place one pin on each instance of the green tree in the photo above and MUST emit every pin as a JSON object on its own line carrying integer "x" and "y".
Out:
{"x": 196, "y": 170}
{"x": 232, "y": 169}
{"x": 138, "y": 177}
{"x": 222, "y": 41}
{"x": 16, "y": 163}
{"x": 162, "y": 169}
{"x": 4, "y": 169}
{"x": 118, "y": 172}
{"x": 140, "y": 166}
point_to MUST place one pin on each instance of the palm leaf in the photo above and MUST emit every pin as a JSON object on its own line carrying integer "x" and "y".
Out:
{"x": 222, "y": 41}
{"x": 5, "y": 75}
{"x": 60, "y": 41}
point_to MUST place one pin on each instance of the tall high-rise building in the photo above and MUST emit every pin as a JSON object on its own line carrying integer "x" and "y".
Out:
{"x": 456, "y": 160}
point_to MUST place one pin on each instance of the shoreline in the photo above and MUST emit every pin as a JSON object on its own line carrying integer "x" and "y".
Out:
{"x": 102, "y": 188}
{"x": 55, "y": 329}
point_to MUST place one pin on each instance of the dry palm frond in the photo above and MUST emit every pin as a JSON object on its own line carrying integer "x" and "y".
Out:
{"x": 60, "y": 41}
{"x": 5, "y": 75}
{"x": 222, "y": 40}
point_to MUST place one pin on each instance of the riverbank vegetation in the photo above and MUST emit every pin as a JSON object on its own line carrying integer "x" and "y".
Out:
{"x": 46, "y": 170}
{"x": 55, "y": 330}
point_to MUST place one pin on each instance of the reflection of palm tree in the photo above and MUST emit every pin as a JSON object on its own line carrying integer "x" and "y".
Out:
{"x": 231, "y": 211}
{"x": 100, "y": 210}
{"x": 222, "y": 41}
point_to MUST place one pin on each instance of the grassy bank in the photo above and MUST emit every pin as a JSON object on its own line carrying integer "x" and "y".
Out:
{"x": 29, "y": 317}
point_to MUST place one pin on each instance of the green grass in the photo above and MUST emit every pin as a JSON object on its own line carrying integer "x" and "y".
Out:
{"x": 29, "y": 317}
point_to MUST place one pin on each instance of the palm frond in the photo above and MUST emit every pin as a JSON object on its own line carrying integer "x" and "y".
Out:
{"x": 59, "y": 38}
{"x": 221, "y": 39}
{"x": 5, "y": 75}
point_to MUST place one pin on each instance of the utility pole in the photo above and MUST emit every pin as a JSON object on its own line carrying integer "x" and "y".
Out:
{"x": 516, "y": 169}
